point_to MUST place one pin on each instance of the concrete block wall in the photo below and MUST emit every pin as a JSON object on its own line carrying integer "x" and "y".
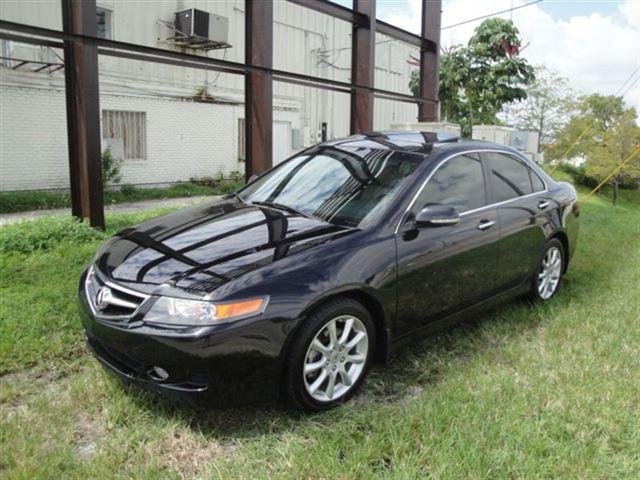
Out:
{"x": 33, "y": 139}
{"x": 185, "y": 139}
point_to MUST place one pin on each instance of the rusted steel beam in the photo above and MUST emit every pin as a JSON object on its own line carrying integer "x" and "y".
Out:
{"x": 258, "y": 86}
{"x": 145, "y": 53}
{"x": 406, "y": 37}
{"x": 357, "y": 18}
{"x": 334, "y": 10}
{"x": 362, "y": 67}
{"x": 83, "y": 112}
{"x": 428, "y": 111}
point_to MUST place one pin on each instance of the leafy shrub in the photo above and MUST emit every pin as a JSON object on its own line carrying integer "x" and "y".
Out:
{"x": 229, "y": 187}
{"x": 111, "y": 168}
{"x": 46, "y": 233}
{"x": 129, "y": 190}
{"x": 38, "y": 200}
{"x": 205, "y": 181}
{"x": 579, "y": 175}
{"x": 236, "y": 176}
{"x": 33, "y": 200}
{"x": 219, "y": 183}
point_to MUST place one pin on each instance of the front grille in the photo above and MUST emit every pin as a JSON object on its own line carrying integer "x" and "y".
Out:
{"x": 110, "y": 300}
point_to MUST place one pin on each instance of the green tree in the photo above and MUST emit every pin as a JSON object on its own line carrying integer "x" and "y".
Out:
{"x": 547, "y": 108}
{"x": 478, "y": 79}
{"x": 604, "y": 133}
{"x": 603, "y": 110}
{"x": 617, "y": 143}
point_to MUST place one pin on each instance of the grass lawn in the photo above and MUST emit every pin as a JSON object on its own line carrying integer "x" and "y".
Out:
{"x": 11, "y": 202}
{"x": 544, "y": 391}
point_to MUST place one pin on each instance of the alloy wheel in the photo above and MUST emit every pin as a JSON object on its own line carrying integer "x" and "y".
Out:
{"x": 549, "y": 275}
{"x": 336, "y": 358}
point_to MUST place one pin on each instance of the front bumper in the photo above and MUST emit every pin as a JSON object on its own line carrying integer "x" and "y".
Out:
{"x": 229, "y": 364}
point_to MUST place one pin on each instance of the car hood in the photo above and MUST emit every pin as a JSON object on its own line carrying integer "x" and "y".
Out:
{"x": 201, "y": 248}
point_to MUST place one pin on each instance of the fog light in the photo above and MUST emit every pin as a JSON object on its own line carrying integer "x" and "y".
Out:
{"x": 158, "y": 373}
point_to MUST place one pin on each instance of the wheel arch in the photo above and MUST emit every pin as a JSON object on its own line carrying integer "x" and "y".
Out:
{"x": 368, "y": 301}
{"x": 564, "y": 239}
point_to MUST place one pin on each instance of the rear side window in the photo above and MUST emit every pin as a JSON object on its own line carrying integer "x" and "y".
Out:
{"x": 458, "y": 182}
{"x": 509, "y": 177}
{"x": 536, "y": 181}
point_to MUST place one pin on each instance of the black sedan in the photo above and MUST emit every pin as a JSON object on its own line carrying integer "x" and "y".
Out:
{"x": 293, "y": 285}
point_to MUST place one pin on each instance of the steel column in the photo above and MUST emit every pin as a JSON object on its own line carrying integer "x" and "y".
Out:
{"x": 83, "y": 112}
{"x": 362, "y": 66}
{"x": 258, "y": 86}
{"x": 428, "y": 111}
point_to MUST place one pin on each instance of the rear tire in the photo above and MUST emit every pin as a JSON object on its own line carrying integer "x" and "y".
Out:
{"x": 548, "y": 273}
{"x": 329, "y": 356}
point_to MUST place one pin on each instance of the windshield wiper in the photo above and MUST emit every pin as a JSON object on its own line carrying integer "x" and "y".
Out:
{"x": 280, "y": 206}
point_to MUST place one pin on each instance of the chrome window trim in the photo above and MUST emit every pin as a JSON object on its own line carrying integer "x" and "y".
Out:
{"x": 493, "y": 205}
{"x": 467, "y": 212}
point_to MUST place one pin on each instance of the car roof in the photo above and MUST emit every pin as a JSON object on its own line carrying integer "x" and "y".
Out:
{"x": 425, "y": 143}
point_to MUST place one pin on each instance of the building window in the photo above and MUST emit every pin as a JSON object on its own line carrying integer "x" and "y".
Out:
{"x": 104, "y": 23}
{"x": 241, "y": 140}
{"x": 125, "y": 133}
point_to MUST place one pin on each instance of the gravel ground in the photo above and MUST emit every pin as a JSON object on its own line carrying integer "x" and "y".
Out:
{"x": 119, "y": 208}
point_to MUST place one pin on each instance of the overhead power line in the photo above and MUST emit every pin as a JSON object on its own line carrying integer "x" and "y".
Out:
{"x": 491, "y": 14}
{"x": 625, "y": 82}
{"x": 630, "y": 87}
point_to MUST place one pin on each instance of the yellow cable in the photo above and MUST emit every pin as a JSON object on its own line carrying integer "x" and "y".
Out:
{"x": 617, "y": 169}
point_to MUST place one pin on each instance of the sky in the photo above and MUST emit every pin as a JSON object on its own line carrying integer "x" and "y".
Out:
{"x": 595, "y": 44}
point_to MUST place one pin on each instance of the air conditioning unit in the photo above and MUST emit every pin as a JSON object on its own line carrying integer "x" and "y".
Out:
{"x": 200, "y": 29}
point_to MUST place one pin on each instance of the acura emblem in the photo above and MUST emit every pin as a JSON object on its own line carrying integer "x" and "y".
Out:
{"x": 103, "y": 298}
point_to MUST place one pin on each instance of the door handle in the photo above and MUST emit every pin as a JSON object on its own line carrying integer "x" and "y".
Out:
{"x": 485, "y": 224}
{"x": 543, "y": 204}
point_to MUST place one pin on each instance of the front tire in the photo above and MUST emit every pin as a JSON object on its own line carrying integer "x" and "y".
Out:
{"x": 548, "y": 273}
{"x": 329, "y": 356}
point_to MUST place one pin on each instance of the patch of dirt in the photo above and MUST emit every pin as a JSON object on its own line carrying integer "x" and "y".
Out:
{"x": 32, "y": 381}
{"x": 189, "y": 453}
{"x": 89, "y": 433}
{"x": 18, "y": 387}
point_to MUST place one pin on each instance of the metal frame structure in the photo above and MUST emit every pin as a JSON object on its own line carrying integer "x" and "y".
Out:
{"x": 81, "y": 48}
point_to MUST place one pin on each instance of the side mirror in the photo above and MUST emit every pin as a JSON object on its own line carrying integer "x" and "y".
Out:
{"x": 437, "y": 215}
{"x": 252, "y": 178}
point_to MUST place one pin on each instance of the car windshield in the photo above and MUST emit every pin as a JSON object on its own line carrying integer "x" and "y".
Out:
{"x": 335, "y": 185}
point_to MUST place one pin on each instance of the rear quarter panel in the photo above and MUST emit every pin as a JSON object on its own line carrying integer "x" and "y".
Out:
{"x": 569, "y": 213}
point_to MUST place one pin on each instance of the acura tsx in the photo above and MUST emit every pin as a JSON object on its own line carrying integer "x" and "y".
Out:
{"x": 292, "y": 286}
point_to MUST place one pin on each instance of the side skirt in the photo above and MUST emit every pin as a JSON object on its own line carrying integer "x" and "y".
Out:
{"x": 458, "y": 317}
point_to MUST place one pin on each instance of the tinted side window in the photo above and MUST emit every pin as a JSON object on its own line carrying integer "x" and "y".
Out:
{"x": 458, "y": 182}
{"x": 509, "y": 177}
{"x": 536, "y": 181}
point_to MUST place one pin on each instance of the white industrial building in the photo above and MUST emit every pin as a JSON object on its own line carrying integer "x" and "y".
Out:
{"x": 171, "y": 123}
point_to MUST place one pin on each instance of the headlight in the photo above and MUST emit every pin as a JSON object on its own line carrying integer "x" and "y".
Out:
{"x": 177, "y": 311}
